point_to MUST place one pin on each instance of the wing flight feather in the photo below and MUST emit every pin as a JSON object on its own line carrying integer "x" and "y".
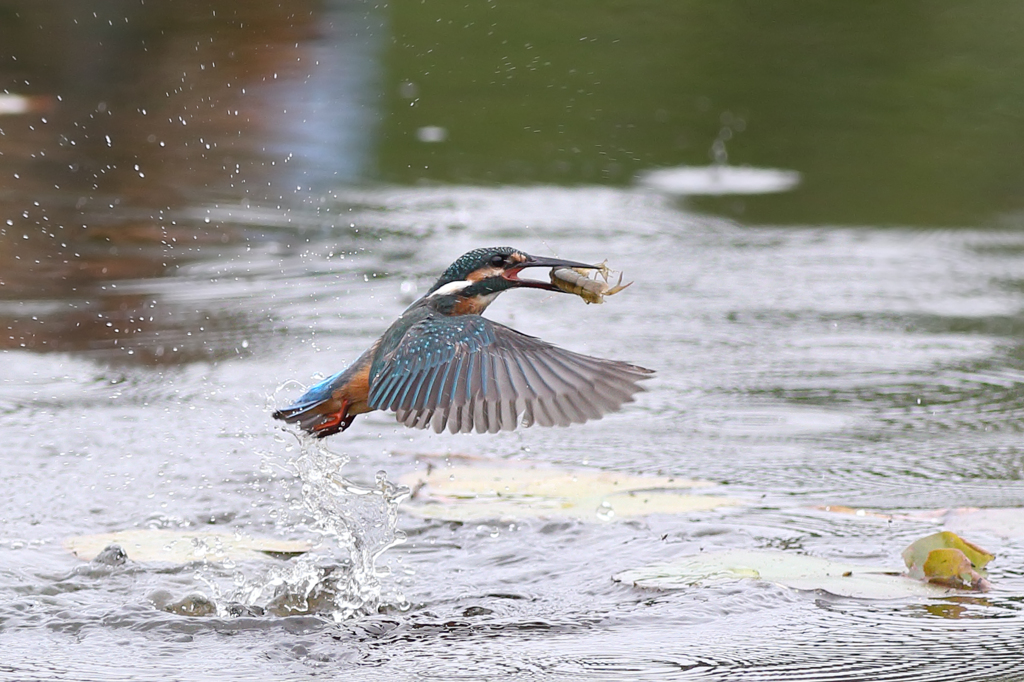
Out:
{"x": 468, "y": 373}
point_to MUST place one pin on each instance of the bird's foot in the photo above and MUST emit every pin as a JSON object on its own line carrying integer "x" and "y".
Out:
{"x": 338, "y": 421}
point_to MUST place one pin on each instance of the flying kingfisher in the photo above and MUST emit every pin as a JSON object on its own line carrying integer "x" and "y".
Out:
{"x": 442, "y": 364}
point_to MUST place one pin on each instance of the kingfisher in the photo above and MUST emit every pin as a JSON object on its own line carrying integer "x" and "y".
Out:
{"x": 441, "y": 364}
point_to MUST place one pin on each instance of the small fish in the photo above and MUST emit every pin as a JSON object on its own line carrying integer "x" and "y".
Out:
{"x": 578, "y": 281}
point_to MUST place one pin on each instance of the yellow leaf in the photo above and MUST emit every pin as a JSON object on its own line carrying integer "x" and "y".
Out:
{"x": 947, "y": 562}
{"x": 917, "y": 553}
{"x": 951, "y": 567}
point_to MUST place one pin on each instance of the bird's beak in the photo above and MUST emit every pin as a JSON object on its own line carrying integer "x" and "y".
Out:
{"x": 512, "y": 274}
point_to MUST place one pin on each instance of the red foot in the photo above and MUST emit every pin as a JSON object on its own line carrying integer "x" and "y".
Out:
{"x": 339, "y": 421}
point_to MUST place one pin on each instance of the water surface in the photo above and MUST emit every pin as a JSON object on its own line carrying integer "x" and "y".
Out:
{"x": 839, "y": 344}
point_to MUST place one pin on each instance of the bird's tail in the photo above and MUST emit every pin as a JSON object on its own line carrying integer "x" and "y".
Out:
{"x": 318, "y": 411}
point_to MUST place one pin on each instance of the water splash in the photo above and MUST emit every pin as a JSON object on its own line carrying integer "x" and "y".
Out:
{"x": 356, "y": 523}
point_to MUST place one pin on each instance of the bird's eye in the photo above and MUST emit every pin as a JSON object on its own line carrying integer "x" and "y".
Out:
{"x": 497, "y": 260}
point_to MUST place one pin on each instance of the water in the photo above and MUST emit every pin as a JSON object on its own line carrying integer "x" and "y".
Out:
{"x": 806, "y": 356}
{"x": 790, "y": 361}
{"x": 358, "y": 520}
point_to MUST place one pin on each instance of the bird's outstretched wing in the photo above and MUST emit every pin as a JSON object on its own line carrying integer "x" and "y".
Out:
{"x": 468, "y": 372}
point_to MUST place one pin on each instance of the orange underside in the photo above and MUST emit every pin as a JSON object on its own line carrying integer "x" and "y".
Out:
{"x": 357, "y": 392}
{"x": 349, "y": 400}
{"x": 467, "y": 306}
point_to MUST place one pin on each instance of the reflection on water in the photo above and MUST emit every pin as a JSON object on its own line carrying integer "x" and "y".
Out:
{"x": 142, "y": 114}
{"x": 138, "y": 118}
{"x": 895, "y": 114}
{"x": 190, "y": 213}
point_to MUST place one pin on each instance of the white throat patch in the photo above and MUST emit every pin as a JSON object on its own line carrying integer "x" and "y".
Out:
{"x": 451, "y": 288}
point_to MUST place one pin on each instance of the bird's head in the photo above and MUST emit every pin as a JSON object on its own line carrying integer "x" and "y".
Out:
{"x": 476, "y": 278}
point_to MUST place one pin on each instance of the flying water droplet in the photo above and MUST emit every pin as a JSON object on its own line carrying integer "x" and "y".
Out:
{"x": 357, "y": 523}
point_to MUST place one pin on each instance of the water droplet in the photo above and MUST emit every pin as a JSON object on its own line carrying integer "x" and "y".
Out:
{"x": 431, "y": 134}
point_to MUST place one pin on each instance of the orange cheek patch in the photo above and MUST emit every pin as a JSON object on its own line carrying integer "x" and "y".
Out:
{"x": 483, "y": 274}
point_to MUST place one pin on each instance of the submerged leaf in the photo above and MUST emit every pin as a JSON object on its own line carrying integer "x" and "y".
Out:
{"x": 853, "y": 511}
{"x": 181, "y": 547}
{"x": 466, "y": 493}
{"x": 789, "y": 569}
{"x": 1005, "y": 522}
